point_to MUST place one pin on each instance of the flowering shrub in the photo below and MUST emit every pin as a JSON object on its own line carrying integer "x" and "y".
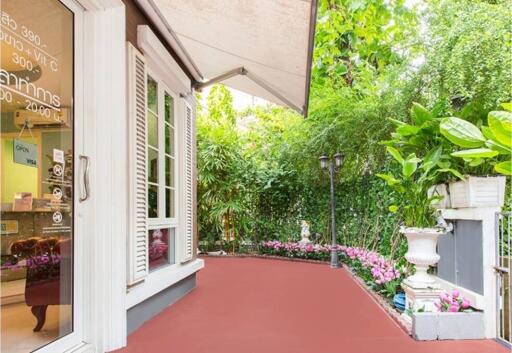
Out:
{"x": 297, "y": 250}
{"x": 378, "y": 272}
{"x": 452, "y": 303}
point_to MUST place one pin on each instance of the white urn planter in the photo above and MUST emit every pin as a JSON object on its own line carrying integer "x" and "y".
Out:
{"x": 422, "y": 253}
{"x": 478, "y": 192}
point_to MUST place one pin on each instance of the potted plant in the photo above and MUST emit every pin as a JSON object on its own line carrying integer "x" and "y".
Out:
{"x": 418, "y": 150}
{"x": 486, "y": 144}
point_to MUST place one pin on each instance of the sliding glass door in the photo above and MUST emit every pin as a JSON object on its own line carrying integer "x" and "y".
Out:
{"x": 38, "y": 170}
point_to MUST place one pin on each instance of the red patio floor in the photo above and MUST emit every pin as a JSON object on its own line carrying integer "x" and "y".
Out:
{"x": 248, "y": 305}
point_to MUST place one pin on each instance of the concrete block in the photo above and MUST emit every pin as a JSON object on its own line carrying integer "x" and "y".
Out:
{"x": 430, "y": 326}
{"x": 461, "y": 326}
{"x": 424, "y": 326}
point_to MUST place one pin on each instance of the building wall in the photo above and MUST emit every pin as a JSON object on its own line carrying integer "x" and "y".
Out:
{"x": 134, "y": 18}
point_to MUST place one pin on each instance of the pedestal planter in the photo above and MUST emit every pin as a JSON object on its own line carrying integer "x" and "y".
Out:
{"x": 478, "y": 192}
{"x": 422, "y": 243}
{"x": 448, "y": 326}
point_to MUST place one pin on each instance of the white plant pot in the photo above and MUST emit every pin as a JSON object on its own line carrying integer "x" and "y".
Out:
{"x": 442, "y": 191}
{"x": 478, "y": 192}
{"x": 422, "y": 253}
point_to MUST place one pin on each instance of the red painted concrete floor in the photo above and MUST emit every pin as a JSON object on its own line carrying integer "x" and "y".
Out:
{"x": 248, "y": 305}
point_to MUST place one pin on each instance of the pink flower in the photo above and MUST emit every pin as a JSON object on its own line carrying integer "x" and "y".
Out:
{"x": 455, "y": 293}
{"x": 453, "y": 308}
{"x": 465, "y": 303}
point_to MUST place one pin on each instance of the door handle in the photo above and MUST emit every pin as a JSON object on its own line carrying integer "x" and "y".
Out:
{"x": 86, "y": 178}
{"x": 501, "y": 270}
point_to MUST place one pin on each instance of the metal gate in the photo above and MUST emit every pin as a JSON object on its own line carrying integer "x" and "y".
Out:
{"x": 503, "y": 276}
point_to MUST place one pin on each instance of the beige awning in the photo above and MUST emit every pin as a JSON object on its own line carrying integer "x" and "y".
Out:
{"x": 261, "y": 47}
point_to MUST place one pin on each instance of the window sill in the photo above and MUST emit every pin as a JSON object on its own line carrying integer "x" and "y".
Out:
{"x": 160, "y": 279}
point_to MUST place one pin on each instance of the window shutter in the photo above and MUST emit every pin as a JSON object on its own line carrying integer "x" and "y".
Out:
{"x": 137, "y": 159}
{"x": 188, "y": 242}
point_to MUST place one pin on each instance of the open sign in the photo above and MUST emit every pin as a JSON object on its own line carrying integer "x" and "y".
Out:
{"x": 25, "y": 153}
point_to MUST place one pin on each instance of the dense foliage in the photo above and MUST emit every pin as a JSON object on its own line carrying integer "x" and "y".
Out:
{"x": 258, "y": 169}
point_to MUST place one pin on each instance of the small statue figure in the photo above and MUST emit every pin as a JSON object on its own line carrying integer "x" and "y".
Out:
{"x": 304, "y": 232}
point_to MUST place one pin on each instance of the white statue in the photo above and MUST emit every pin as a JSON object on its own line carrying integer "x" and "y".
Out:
{"x": 304, "y": 232}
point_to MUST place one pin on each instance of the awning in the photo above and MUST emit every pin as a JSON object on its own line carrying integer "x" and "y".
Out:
{"x": 261, "y": 47}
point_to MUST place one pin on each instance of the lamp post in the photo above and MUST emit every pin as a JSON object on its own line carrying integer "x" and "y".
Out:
{"x": 333, "y": 165}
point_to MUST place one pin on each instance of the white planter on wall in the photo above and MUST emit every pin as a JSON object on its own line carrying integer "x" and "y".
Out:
{"x": 422, "y": 253}
{"x": 478, "y": 192}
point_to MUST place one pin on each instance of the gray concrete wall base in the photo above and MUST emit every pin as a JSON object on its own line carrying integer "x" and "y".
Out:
{"x": 147, "y": 309}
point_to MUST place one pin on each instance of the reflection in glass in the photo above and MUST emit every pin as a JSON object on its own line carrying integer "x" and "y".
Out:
{"x": 169, "y": 171}
{"x": 152, "y": 201}
{"x": 36, "y": 150}
{"x": 169, "y": 140}
{"x": 152, "y": 129}
{"x": 161, "y": 249}
{"x": 152, "y": 95}
{"x": 169, "y": 109}
{"x": 169, "y": 203}
{"x": 152, "y": 165}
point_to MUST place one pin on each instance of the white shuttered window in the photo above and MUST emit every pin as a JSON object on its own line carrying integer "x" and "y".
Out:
{"x": 161, "y": 172}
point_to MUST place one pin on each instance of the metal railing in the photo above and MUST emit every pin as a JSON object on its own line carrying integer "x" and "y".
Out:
{"x": 503, "y": 277}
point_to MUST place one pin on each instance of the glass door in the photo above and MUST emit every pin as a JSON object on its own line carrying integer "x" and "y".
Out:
{"x": 39, "y": 147}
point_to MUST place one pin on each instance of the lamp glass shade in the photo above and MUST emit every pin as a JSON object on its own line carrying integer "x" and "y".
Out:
{"x": 338, "y": 159}
{"x": 323, "y": 162}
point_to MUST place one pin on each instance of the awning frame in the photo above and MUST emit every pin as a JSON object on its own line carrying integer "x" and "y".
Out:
{"x": 242, "y": 71}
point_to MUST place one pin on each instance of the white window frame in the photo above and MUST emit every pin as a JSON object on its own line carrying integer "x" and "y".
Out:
{"x": 160, "y": 63}
{"x": 163, "y": 222}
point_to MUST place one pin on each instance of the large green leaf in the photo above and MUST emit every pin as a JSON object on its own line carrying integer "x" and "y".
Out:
{"x": 507, "y": 106}
{"x": 396, "y": 155}
{"x": 500, "y": 123}
{"x": 410, "y": 165}
{"x": 391, "y": 180}
{"x": 487, "y": 132}
{"x": 496, "y": 146}
{"x": 397, "y": 122}
{"x": 476, "y": 162}
{"x": 504, "y": 168}
{"x": 476, "y": 153}
{"x": 407, "y": 130}
{"x": 420, "y": 114}
{"x": 461, "y": 132}
{"x": 452, "y": 171}
{"x": 432, "y": 158}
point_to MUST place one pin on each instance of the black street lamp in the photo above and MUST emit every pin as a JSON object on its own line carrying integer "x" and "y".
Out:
{"x": 333, "y": 164}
